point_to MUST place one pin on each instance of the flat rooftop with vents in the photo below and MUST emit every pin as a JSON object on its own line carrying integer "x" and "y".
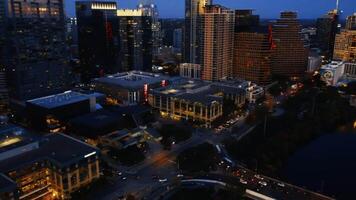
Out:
{"x": 132, "y": 80}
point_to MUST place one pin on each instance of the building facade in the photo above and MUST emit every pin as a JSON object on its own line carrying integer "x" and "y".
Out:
{"x": 351, "y": 22}
{"x": 189, "y": 70}
{"x": 345, "y": 46}
{"x": 135, "y": 40}
{"x": 196, "y": 101}
{"x": 252, "y": 57}
{"x": 129, "y": 88}
{"x": 34, "y": 51}
{"x": 252, "y": 49}
{"x": 150, "y": 10}
{"x": 98, "y": 37}
{"x": 177, "y": 40}
{"x": 290, "y": 55}
{"x": 4, "y": 95}
{"x": 47, "y": 170}
{"x": 216, "y": 36}
{"x": 327, "y": 28}
{"x": 350, "y": 70}
{"x": 193, "y": 8}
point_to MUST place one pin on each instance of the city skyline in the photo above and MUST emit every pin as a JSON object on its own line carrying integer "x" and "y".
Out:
{"x": 314, "y": 9}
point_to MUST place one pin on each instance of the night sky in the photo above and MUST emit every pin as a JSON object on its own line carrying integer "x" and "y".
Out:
{"x": 265, "y": 8}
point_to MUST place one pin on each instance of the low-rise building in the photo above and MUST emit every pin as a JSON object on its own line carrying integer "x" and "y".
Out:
{"x": 51, "y": 112}
{"x": 54, "y": 166}
{"x": 119, "y": 139}
{"x": 338, "y": 73}
{"x": 331, "y": 73}
{"x": 100, "y": 123}
{"x": 195, "y": 100}
{"x": 129, "y": 88}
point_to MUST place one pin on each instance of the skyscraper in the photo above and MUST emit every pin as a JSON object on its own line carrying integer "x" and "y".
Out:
{"x": 4, "y": 98}
{"x": 193, "y": 8}
{"x": 345, "y": 46}
{"x": 351, "y": 22}
{"x": 245, "y": 20}
{"x": 135, "y": 40}
{"x": 98, "y": 37}
{"x": 34, "y": 49}
{"x": 252, "y": 49}
{"x": 327, "y": 27}
{"x": 150, "y": 9}
{"x": 216, "y": 36}
{"x": 290, "y": 55}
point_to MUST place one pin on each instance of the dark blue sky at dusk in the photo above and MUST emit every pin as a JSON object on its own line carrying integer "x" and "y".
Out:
{"x": 265, "y": 8}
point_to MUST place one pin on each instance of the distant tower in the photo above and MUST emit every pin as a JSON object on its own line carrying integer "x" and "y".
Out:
{"x": 193, "y": 9}
{"x": 149, "y": 9}
{"x": 327, "y": 28}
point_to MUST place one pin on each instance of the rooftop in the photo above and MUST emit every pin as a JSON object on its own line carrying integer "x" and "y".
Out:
{"x": 101, "y": 123}
{"x": 333, "y": 65}
{"x": 132, "y": 80}
{"x": 12, "y": 136}
{"x": 6, "y": 184}
{"x": 199, "y": 91}
{"x": 65, "y": 98}
{"x": 117, "y": 135}
{"x": 60, "y": 149}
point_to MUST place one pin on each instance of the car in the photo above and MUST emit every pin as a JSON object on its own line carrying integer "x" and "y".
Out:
{"x": 243, "y": 181}
{"x": 163, "y": 180}
{"x": 258, "y": 177}
{"x": 180, "y": 175}
{"x": 124, "y": 178}
{"x": 281, "y": 184}
{"x": 263, "y": 183}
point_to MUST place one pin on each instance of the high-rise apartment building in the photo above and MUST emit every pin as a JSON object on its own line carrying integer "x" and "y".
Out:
{"x": 351, "y": 22}
{"x": 252, "y": 49}
{"x": 290, "y": 55}
{"x": 216, "y": 36}
{"x": 135, "y": 40}
{"x": 34, "y": 51}
{"x": 150, "y": 9}
{"x": 345, "y": 46}
{"x": 327, "y": 28}
{"x": 98, "y": 35}
{"x": 193, "y": 8}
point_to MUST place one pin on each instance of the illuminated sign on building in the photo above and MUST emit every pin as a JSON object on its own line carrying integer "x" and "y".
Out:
{"x": 103, "y": 6}
{"x": 145, "y": 92}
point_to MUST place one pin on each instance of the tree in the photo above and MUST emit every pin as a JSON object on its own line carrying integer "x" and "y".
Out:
{"x": 203, "y": 157}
